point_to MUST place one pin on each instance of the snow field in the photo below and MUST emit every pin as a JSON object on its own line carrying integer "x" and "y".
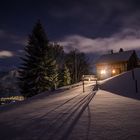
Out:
{"x": 114, "y": 113}
{"x": 44, "y": 118}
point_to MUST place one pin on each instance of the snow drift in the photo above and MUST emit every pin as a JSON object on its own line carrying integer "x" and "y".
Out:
{"x": 124, "y": 84}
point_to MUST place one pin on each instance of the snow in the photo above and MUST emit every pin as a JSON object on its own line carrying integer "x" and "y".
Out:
{"x": 113, "y": 113}
{"x": 124, "y": 84}
{"x": 115, "y": 57}
{"x": 109, "y": 117}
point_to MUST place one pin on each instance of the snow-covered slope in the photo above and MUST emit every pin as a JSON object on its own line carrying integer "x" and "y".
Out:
{"x": 124, "y": 84}
{"x": 107, "y": 116}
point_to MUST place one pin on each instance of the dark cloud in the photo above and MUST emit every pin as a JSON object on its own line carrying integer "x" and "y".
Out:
{"x": 90, "y": 25}
{"x": 11, "y": 41}
{"x": 100, "y": 18}
{"x": 102, "y": 45}
{"x": 93, "y": 18}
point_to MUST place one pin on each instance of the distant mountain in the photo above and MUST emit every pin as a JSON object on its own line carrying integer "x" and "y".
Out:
{"x": 9, "y": 83}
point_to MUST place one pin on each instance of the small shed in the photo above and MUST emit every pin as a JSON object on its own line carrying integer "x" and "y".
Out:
{"x": 115, "y": 63}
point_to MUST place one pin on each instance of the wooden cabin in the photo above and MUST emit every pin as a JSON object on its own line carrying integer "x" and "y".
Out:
{"x": 115, "y": 63}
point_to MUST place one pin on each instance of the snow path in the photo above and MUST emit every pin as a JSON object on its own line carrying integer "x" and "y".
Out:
{"x": 114, "y": 113}
{"x": 109, "y": 117}
{"x": 44, "y": 118}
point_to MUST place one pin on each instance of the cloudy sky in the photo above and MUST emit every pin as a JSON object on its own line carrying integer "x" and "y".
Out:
{"x": 92, "y": 26}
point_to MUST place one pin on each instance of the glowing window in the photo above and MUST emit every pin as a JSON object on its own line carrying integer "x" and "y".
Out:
{"x": 103, "y": 71}
{"x": 113, "y": 71}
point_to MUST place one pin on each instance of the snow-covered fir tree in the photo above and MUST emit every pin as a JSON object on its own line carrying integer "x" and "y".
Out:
{"x": 66, "y": 76}
{"x": 38, "y": 65}
{"x": 52, "y": 74}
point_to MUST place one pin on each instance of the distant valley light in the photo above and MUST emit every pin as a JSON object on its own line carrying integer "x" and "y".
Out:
{"x": 5, "y": 53}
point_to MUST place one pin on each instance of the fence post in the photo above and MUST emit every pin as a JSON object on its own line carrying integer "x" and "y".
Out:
{"x": 83, "y": 84}
{"x": 97, "y": 85}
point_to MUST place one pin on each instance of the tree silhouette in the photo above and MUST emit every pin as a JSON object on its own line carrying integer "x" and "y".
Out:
{"x": 121, "y": 50}
{"x": 37, "y": 65}
{"x": 77, "y": 64}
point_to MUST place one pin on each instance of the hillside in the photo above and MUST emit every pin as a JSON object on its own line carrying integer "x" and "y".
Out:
{"x": 73, "y": 115}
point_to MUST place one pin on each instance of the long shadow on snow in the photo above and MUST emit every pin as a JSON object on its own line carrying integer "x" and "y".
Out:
{"x": 38, "y": 97}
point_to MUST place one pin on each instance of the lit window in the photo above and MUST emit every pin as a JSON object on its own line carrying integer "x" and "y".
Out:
{"x": 103, "y": 72}
{"x": 113, "y": 71}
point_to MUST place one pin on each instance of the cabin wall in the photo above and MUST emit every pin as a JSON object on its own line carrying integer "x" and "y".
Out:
{"x": 111, "y": 69}
{"x": 105, "y": 70}
{"x": 121, "y": 66}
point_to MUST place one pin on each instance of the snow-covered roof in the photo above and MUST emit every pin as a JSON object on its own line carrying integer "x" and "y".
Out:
{"x": 115, "y": 57}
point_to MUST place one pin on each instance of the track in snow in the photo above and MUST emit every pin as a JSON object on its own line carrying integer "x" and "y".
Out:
{"x": 50, "y": 119}
{"x": 65, "y": 118}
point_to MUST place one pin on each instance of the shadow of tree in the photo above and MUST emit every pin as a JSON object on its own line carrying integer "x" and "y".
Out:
{"x": 89, "y": 123}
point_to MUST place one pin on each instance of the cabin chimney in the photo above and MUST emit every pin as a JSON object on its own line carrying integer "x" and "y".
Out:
{"x": 111, "y": 51}
{"x": 121, "y": 50}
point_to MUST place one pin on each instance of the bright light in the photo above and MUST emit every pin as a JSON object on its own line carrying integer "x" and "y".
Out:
{"x": 103, "y": 71}
{"x": 113, "y": 71}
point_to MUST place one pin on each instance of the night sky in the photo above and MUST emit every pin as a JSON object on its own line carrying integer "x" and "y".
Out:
{"x": 92, "y": 26}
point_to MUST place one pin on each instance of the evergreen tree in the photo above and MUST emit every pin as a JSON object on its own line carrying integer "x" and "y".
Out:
{"x": 52, "y": 72}
{"x": 35, "y": 67}
{"x": 57, "y": 52}
{"x": 65, "y": 76}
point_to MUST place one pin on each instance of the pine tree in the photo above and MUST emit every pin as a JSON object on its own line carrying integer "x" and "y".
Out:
{"x": 66, "y": 76}
{"x": 34, "y": 70}
{"x": 58, "y": 54}
{"x": 52, "y": 72}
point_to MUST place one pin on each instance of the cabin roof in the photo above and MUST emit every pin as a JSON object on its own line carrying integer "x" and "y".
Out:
{"x": 115, "y": 57}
